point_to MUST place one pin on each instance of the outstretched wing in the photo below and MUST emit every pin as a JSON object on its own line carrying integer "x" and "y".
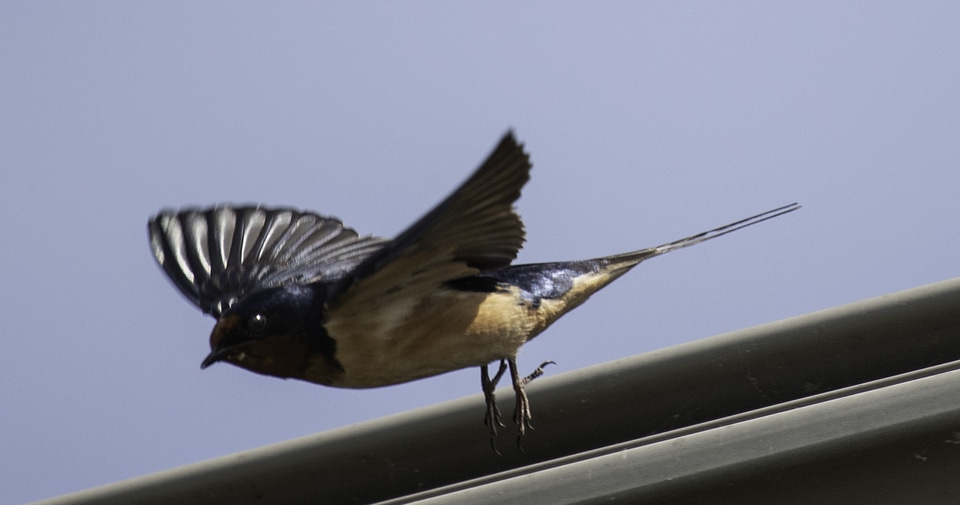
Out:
{"x": 219, "y": 254}
{"x": 473, "y": 230}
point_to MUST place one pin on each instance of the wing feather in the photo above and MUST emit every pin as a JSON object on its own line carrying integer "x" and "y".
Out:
{"x": 216, "y": 255}
{"x": 474, "y": 229}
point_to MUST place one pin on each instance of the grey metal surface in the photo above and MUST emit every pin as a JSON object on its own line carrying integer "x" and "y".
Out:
{"x": 889, "y": 445}
{"x": 660, "y": 401}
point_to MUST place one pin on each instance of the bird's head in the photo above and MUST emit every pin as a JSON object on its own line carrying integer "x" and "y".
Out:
{"x": 275, "y": 331}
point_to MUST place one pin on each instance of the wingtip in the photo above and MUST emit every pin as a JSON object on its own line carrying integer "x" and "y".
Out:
{"x": 509, "y": 139}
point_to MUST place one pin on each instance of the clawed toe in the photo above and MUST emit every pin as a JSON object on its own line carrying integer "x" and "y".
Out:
{"x": 521, "y": 413}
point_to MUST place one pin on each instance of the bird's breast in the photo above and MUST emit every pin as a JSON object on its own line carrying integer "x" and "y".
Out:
{"x": 445, "y": 330}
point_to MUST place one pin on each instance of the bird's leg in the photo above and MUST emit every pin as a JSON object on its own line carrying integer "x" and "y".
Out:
{"x": 521, "y": 411}
{"x": 492, "y": 416}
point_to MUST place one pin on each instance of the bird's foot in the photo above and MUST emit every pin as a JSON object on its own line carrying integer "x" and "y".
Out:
{"x": 521, "y": 413}
{"x": 492, "y": 417}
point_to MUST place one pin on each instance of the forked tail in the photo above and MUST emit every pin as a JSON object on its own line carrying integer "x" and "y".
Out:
{"x": 620, "y": 263}
{"x": 559, "y": 287}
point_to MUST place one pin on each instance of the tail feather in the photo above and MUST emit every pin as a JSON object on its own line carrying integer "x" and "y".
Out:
{"x": 619, "y": 264}
{"x": 557, "y": 288}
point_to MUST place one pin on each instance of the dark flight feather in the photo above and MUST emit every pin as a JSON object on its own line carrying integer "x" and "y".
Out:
{"x": 475, "y": 229}
{"x": 219, "y": 254}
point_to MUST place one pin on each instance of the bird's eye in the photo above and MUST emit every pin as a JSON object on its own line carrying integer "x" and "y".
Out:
{"x": 257, "y": 323}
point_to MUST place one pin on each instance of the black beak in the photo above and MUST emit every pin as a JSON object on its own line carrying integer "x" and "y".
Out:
{"x": 214, "y": 356}
{"x": 221, "y": 332}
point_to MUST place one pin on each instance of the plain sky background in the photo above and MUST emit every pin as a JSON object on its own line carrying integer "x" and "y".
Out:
{"x": 646, "y": 122}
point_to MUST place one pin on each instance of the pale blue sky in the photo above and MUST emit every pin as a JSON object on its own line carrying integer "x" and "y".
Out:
{"x": 646, "y": 122}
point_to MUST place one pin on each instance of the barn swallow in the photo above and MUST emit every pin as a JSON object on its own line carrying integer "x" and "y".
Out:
{"x": 299, "y": 295}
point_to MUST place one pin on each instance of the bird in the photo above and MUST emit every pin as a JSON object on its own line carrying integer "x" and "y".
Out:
{"x": 299, "y": 295}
